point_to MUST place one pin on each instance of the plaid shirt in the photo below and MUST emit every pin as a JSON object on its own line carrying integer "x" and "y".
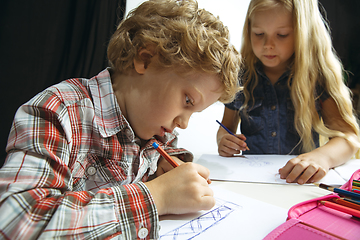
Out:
{"x": 75, "y": 168}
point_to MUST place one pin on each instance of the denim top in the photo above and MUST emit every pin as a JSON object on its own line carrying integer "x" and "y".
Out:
{"x": 270, "y": 129}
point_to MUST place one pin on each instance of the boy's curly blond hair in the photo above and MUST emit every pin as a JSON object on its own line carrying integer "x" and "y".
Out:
{"x": 183, "y": 36}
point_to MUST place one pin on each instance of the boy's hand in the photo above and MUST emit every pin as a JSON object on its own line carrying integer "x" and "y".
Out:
{"x": 182, "y": 190}
{"x": 164, "y": 166}
{"x": 305, "y": 168}
{"x": 230, "y": 145}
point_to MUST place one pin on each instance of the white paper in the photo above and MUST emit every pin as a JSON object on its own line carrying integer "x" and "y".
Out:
{"x": 254, "y": 168}
{"x": 234, "y": 217}
{"x": 347, "y": 169}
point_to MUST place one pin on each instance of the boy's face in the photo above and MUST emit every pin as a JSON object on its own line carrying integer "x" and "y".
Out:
{"x": 160, "y": 101}
{"x": 272, "y": 37}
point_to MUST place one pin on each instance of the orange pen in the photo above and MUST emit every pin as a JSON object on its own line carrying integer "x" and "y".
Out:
{"x": 165, "y": 155}
{"x": 168, "y": 158}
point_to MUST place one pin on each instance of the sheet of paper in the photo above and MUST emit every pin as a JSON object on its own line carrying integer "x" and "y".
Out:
{"x": 234, "y": 217}
{"x": 254, "y": 168}
{"x": 347, "y": 169}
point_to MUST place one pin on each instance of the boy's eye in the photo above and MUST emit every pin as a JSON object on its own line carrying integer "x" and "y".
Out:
{"x": 188, "y": 100}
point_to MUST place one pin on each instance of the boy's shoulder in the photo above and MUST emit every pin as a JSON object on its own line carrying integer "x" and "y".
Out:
{"x": 76, "y": 89}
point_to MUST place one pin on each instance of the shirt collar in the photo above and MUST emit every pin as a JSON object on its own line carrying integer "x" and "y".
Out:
{"x": 260, "y": 71}
{"x": 108, "y": 115}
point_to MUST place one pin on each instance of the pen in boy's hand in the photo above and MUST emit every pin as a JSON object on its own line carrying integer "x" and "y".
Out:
{"x": 222, "y": 125}
{"x": 167, "y": 157}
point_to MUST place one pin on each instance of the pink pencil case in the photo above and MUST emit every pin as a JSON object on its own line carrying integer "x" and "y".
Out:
{"x": 311, "y": 220}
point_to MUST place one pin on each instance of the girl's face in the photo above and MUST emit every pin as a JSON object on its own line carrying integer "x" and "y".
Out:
{"x": 163, "y": 100}
{"x": 272, "y": 38}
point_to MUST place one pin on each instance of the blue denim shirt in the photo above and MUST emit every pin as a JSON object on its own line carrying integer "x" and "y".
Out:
{"x": 270, "y": 129}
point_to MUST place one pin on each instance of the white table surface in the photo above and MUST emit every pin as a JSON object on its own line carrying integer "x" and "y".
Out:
{"x": 281, "y": 195}
{"x": 200, "y": 138}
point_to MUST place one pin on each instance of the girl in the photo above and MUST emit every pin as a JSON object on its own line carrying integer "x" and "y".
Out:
{"x": 293, "y": 91}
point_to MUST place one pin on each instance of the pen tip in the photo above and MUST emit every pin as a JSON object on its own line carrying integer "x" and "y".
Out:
{"x": 316, "y": 184}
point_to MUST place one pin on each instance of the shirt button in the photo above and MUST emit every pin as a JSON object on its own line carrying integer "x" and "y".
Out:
{"x": 273, "y": 134}
{"x": 273, "y": 107}
{"x": 143, "y": 232}
{"x": 91, "y": 170}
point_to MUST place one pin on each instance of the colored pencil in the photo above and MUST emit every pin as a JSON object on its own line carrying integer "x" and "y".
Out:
{"x": 165, "y": 155}
{"x": 341, "y": 208}
{"x": 339, "y": 191}
{"x": 357, "y": 184}
{"x": 352, "y": 200}
{"x": 346, "y": 203}
{"x": 356, "y": 190}
{"x": 230, "y": 132}
{"x": 168, "y": 158}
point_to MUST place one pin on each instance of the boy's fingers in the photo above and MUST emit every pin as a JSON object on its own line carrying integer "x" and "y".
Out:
{"x": 207, "y": 202}
{"x": 203, "y": 172}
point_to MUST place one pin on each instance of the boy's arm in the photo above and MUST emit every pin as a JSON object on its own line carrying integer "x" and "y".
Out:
{"x": 31, "y": 202}
{"x": 36, "y": 186}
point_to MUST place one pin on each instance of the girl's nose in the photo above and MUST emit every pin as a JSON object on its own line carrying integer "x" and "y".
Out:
{"x": 269, "y": 43}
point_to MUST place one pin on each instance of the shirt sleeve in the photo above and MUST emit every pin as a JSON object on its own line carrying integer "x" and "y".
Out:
{"x": 183, "y": 154}
{"x": 36, "y": 186}
{"x": 237, "y": 102}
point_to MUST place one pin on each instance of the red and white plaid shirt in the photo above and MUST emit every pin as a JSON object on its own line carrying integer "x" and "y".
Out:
{"x": 75, "y": 169}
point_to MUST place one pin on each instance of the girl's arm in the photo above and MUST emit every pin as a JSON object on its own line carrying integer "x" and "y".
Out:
{"x": 333, "y": 120}
{"x": 312, "y": 166}
{"x": 228, "y": 145}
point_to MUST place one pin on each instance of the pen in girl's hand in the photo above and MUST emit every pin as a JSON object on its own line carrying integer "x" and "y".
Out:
{"x": 230, "y": 132}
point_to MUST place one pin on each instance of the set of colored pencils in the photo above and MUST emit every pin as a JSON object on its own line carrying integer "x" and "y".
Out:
{"x": 349, "y": 201}
{"x": 356, "y": 186}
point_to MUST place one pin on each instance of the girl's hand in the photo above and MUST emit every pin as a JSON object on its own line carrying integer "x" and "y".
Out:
{"x": 230, "y": 144}
{"x": 182, "y": 190}
{"x": 164, "y": 166}
{"x": 305, "y": 168}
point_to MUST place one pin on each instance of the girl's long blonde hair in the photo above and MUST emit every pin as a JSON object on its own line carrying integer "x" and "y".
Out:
{"x": 314, "y": 63}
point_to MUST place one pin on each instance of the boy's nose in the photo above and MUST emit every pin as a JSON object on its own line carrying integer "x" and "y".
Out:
{"x": 181, "y": 122}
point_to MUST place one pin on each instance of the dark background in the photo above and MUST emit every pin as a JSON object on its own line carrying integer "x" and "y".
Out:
{"x": 43, "y": 42}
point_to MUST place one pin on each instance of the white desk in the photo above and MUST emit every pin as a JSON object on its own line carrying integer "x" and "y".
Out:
{"x": 281, "y": 195}
{"x": 200, "y": 138}
{"x": 261, "y": 209}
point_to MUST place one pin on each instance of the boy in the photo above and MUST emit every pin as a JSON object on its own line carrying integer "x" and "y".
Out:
{"x": 80, "y": 153}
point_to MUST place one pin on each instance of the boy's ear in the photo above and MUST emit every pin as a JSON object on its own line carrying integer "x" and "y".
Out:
{"x": 143, "y": 60}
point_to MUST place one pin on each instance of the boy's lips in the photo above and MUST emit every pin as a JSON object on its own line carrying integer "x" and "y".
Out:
{"x": 163, "y": 130}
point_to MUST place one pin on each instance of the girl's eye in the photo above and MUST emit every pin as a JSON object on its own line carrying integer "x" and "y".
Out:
{"x": 188, "y": 100}
{"x": 259, "y": 34}
{"x": 283, "y": 35}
